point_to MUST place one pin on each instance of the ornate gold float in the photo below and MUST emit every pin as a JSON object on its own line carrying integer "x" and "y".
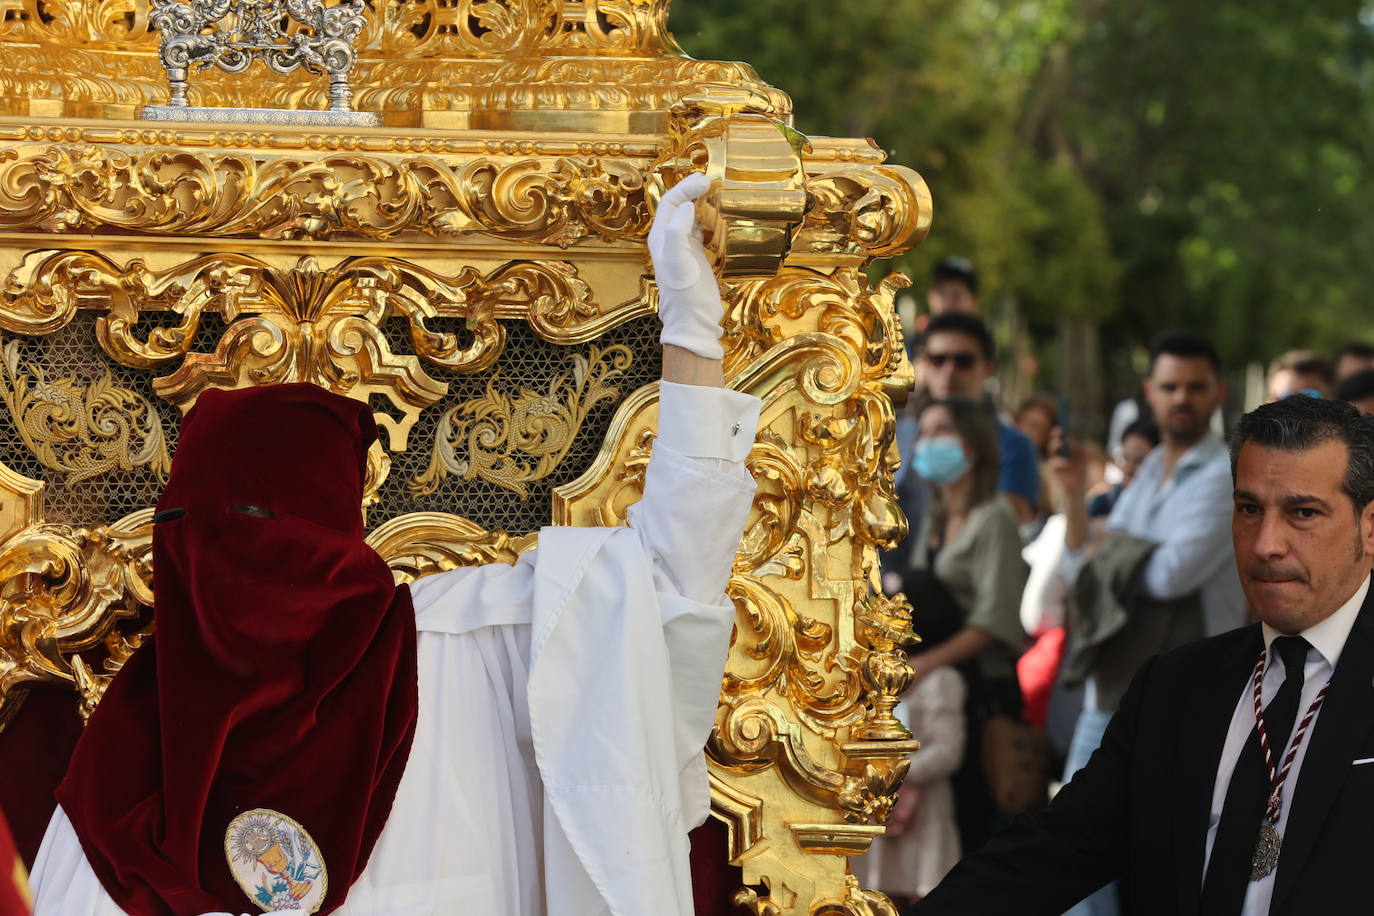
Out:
{"x": 475, "y": 269}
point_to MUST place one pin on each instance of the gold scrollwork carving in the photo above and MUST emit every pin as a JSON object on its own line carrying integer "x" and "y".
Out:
{"x": 66, "y": 590}
{"x": 117, "y": 21}
{"x": 611, "y": 25}
{"x": 422, "y": 27}
{"x": 758, "y": 197}
{"x": 171, "y": 191}
{"x": 762, "y": 313}
{"x": 422, "y": 543}
{"x": 81, "y": 430}
{"x": 303, "y": 323}
{"x": 859, "y": 902}
{"x": 862, "y": 210}
{"x": 512, "y": 441}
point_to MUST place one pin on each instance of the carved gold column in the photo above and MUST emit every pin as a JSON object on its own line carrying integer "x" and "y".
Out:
{"x": 505, "y": 198}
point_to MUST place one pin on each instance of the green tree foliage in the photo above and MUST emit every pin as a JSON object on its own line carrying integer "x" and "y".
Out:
{"x": 1138, "y": 164}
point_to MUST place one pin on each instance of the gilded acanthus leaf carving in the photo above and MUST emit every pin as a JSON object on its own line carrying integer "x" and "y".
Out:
{"x": 302, "y": 323}
{"x": 613, "y": 25}
{"x": 460, "y": 27}
{"x": 512, "y": 440}
{"x": 81, "y": 429}
{"x": 862, "y": 210}
{"x": 94, "y": 188}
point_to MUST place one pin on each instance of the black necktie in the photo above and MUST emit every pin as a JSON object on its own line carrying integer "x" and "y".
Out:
{"x": 1228, "y": 872}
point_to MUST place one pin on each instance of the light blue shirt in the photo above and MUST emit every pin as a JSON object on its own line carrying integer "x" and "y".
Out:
{"x": 1189, "y": 516}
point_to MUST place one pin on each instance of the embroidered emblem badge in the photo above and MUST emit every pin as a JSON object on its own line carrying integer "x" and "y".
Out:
{"x": 275, "y": 861}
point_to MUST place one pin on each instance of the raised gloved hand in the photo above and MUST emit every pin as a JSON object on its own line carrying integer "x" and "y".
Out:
{"x": 688, "y": 297}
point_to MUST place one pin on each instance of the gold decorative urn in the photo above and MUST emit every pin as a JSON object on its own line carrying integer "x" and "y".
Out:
{"x": 475, "y": 269}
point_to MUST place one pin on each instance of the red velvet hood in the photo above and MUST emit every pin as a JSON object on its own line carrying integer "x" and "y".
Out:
{"x": 282, "y": 673}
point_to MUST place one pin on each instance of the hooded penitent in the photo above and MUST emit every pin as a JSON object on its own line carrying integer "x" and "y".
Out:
{"x": 280, "y": 686}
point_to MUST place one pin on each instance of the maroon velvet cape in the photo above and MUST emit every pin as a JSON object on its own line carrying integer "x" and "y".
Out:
{"x": 282, "y": 673}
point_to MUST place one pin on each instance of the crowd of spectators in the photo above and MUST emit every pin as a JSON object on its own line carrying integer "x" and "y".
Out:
{"x": 1044, "y": 570}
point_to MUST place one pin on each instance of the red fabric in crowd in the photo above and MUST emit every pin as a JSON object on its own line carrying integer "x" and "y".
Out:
{"x": 1037, "y": 671}
{"x": 14, "y": 885}
{"x": 282, "y": 674}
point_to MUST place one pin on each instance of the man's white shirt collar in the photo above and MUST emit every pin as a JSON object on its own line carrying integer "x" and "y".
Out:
{"x": 1328, "y": 637}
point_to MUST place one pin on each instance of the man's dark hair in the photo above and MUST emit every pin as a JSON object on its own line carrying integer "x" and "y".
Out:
{"x": 1357, "y": 387}
{"x": 1143, "y": 427}
{"x": 1185, "y": 345}
{"x": 961, "y": 323}
{"x": 960, "y": 270}
{"x": 1297, "y": 424}
{"x": 1356, "y": 348}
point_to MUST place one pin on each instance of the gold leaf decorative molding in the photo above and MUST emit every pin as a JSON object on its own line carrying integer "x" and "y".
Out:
{"x": 178, "y": 192}
{"x": 65, "y": 590}
{"x": 422, "y": 543}
{"x": 547, "y": 191}
{"x": 420, "y": 61}
{"x": 302, "y": 323}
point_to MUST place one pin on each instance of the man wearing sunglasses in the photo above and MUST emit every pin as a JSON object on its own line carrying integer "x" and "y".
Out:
{"x": 957, "y": 357}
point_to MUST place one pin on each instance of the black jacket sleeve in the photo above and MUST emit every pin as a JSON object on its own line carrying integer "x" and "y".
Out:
{"x": 1046, "y": 863}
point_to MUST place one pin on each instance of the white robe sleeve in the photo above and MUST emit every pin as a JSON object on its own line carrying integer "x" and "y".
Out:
{"x": 626, "y": 663}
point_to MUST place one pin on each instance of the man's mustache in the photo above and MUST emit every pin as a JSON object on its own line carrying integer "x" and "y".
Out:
{"x": 1274, "y": 571}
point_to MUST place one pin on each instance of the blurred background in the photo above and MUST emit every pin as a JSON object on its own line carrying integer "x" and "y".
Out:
{"x": 1111, "y": 168}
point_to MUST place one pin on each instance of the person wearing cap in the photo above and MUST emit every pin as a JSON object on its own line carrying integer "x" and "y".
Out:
{"x": 302, "y": 735}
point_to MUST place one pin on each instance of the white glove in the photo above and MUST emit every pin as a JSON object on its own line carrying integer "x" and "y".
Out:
{"x": 688, "y": 298}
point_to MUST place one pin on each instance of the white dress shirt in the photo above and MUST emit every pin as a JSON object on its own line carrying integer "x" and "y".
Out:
{"x": 1326, "y": 639}
{"x": 1188, "y": 512}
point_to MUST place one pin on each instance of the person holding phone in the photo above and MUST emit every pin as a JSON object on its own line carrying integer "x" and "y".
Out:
{"x": 1165, "y": 573}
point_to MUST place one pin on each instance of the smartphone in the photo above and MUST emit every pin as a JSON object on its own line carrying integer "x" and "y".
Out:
{"x": 1063, "y": 426}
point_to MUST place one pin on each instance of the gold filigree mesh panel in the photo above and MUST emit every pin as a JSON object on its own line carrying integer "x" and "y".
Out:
{"x": 89, "y": 428}
{"x": 491, "y": 450}
{"x": 503, "y": 422}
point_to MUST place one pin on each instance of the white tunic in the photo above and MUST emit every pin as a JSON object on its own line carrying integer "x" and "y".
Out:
{"x": 564, "y": 702}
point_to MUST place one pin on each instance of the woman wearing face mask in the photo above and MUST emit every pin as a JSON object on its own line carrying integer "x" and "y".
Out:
{"x": 967, "y": 556}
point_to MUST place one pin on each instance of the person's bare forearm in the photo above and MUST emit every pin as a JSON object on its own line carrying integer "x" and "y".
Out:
{"x": 686, "y": 368}
{"x": 962, "y": 646}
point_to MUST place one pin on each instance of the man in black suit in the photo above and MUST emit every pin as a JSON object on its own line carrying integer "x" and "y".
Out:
{"x": 1180, "y": 803}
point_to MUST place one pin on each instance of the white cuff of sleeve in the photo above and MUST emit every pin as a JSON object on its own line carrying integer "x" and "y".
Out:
{"x": 703, "y": 421}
